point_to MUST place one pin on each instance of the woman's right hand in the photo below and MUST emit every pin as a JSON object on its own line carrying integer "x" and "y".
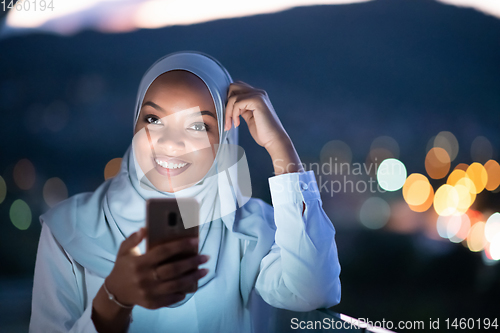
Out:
{"x": 146, "y": 279}
{"x": 133, "y": 281}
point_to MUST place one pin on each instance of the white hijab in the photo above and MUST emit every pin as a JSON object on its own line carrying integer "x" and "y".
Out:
{"x": 91, "y": 226}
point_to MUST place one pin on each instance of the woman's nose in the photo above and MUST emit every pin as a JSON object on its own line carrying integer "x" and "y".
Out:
{"x": 171, "y": 139}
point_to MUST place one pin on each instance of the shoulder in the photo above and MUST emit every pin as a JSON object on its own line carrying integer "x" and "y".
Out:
{"x": 64, "y": 218}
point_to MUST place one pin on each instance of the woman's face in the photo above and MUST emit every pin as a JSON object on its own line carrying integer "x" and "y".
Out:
{"x": 176, "y": 135}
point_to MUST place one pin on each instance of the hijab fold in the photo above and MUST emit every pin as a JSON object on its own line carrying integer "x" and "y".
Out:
{"x": 90, "y": 226}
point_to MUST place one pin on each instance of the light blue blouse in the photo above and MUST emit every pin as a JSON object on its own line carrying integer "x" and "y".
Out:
{"x": 300, "y": 273}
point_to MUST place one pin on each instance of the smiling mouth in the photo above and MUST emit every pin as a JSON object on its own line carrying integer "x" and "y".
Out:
{"x": 170, "y": 166}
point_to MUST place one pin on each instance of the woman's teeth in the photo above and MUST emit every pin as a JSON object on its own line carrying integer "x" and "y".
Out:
{"x": 170, "y": 165}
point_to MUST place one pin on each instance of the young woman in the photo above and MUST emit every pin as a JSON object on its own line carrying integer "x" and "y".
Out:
{"x": 92, "y": 270}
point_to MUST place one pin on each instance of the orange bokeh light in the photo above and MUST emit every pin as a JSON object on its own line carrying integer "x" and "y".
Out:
{"x": 437, "y": 163}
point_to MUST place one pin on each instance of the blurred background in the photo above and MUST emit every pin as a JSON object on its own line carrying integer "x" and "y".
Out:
{"x": 394, "y": 104}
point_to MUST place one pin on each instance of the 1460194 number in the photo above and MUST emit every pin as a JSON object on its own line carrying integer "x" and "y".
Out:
{"x": 27, "y": 5}
{"x": 471, "y": 323}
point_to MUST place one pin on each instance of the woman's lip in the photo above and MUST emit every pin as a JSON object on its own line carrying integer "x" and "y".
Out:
{"x": 170, "y": 172}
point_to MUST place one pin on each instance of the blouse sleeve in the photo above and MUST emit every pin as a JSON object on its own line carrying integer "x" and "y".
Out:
{"x": 58, "y": 302}
{"x": 301, "y": 272}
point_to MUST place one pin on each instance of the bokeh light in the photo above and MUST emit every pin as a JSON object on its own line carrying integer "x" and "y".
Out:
{"x": 465, "y": 198}
{"x": 426, "y": 205}
{"x": 446, "y": 200}
{"x": 383, "y": 147}
{"x": 479, "y": 176}
{"x": 20, "y": 214}
{"x": 416, "y": 189}
{"x": 455, "y": 227}
{"x": 447, "y": 141}
{"x": 459, "y": 233}
{"x": 437, "y": 163}
{"x": 112, "y": 168}
{"x": 391, "y": 174}
{"x": 465, "y": 181}
{"x": 374, "y": 213}
{"x": 3, "y": 189}
{"x": 481, "y": 149}
{"x": 336, "y": 153}
{"x": 492, "y": 227}
{"x": 493, "y": 169}
{"x": 54, "y": 191}
{"x": 403, "y": 220}
{"x": 495, "y": 248}
{"x": 461, "y": 166}
{"x": 455, "y": 176}
{"x": 24, "y": 174}
{"x": 476, "y": 240}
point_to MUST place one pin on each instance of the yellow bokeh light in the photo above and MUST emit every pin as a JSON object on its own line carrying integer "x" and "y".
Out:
{"x": 446, "y": 200}
{"x": 455, "y": 176}
{"x": 470, "y": 185}
{"x": 476, "y": 240}
{"x": 3, "y": 189}
{"x": 112, "y": 168}
{"x": 416, "y": 189}
{"x": 479, "y": 176}
{"x": 425, "y": 206}
{"x": 465, "y": 199}
{"x": 437, "y": 163}
{"x": 493, "y": 169}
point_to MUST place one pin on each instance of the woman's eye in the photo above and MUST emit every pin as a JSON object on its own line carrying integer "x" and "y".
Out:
{"x": 199, "y": 127}
{"x": 154, "y": 121}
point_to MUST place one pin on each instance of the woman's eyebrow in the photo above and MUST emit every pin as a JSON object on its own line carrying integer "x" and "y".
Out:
{"x": 159, "y": 108}
{"x": 208, "y": 113}
{"x": 154, "y": 105}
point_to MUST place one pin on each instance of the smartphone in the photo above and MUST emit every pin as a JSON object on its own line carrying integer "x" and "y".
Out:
{"x": 169, "y": 219}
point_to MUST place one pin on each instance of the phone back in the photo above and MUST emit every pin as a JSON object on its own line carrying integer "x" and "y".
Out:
{"x": 165, "y": 221}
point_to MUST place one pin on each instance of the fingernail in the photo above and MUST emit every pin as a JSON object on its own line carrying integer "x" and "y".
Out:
{"x": 193, "y": 241}
{"x": 204, "y": 258}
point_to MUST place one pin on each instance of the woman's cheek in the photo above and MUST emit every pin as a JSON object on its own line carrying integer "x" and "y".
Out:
{"x": 142, "y": 150}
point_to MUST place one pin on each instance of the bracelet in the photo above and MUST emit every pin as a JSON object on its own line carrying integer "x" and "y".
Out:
{"x": 113, "y": 298}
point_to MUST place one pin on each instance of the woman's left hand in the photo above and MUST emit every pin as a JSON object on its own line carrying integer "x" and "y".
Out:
{"x": 256, "y": 108}
{"x": 263, "y": 123}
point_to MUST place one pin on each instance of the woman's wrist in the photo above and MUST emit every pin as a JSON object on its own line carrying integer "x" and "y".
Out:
{"x": 107, "y": 315}
{"x": 284, "y": 156}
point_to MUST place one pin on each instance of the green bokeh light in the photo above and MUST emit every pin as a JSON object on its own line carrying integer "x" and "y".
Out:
{"x": 20, "y": 214}
{"x": 391, "y": 174}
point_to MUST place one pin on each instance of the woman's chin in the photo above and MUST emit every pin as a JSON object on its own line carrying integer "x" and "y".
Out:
{"x": 163, "y": 184}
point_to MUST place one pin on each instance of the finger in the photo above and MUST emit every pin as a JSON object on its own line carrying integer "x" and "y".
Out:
{"x": 182, "y": 284}
{"x": 247, "y": 115}
{"x": 237, "y": 88}
{"x": 132, "y": 241}
{"x": 169, "y": 249}
{"x": 177, "y": 268}
{"x": 229, "y": 113}
{"x": 244, "y": 104}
